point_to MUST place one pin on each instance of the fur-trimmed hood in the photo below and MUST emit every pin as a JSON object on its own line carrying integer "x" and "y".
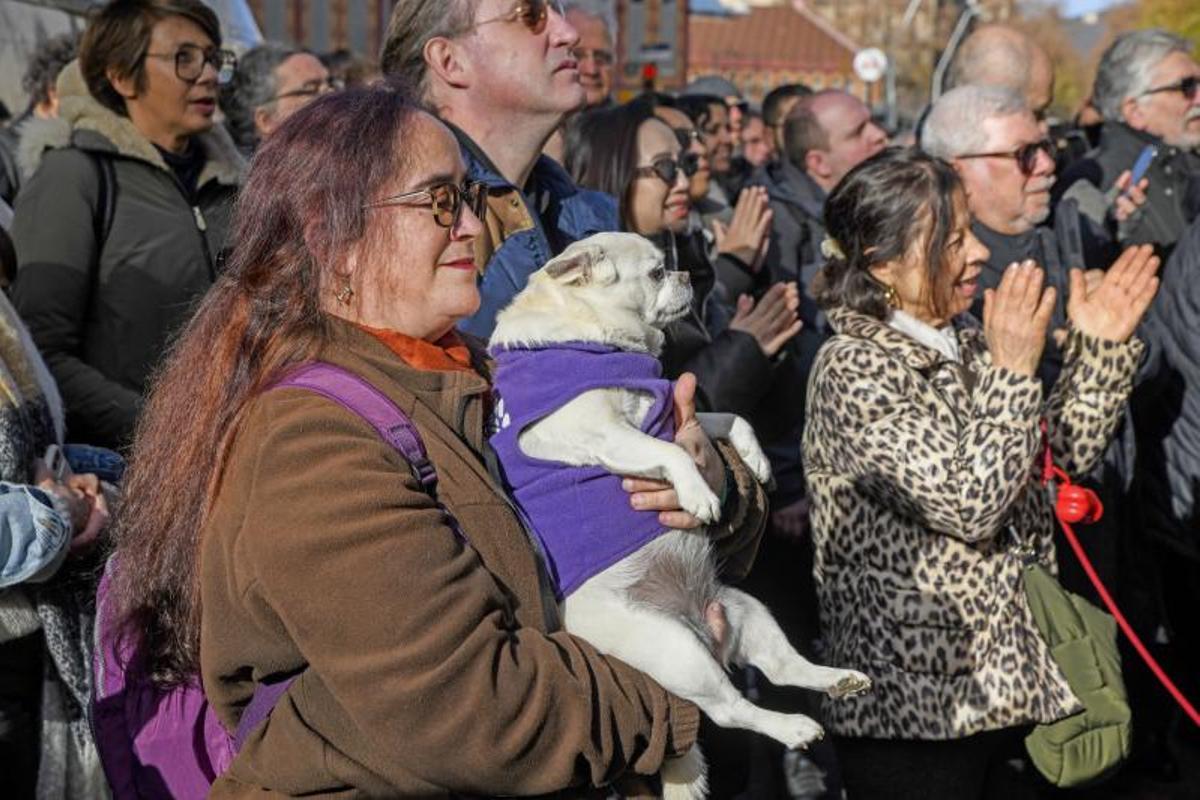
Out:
{"x": 85, "y": 123}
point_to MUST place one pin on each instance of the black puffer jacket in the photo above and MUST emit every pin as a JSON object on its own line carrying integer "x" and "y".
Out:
{"x": 1167, "y": 405}
{"x": 102, "y": 314}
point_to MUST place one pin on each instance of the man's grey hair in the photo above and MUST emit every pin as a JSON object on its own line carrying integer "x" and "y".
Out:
{"x": 253, "y": 86}
{"x": 991, "y": 56}
{"x": 413, "y": 24}
{"x": 1126, "y": 66}
{"x": 603, "y": 10}
{"x": 954, "y": 126}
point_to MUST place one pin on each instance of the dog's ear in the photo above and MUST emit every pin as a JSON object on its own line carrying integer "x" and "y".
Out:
{"x": 588, "y": 265}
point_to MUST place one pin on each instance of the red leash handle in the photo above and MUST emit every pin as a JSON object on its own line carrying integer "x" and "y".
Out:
{"x": 1072, "y": 500}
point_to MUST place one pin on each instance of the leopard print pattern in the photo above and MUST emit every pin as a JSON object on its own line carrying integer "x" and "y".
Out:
{"x": 923, "y": 489}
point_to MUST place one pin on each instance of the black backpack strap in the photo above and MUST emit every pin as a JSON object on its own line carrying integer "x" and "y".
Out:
{"x": 106, "y": 199}
{"x": 8, "y": 165}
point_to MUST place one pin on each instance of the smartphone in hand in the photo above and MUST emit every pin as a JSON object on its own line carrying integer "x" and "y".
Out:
{"x": 1142, "y": 165}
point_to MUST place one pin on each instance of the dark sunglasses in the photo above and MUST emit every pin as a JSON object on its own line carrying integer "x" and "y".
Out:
{"x": 1026, "y": 155}
{"x": 1188, "y": 87}
{"x": 190, "y": 60}
{"x": 445, "y": 200}
{"x": 531, "y": 13}
{"x": 686, "y": 136}
{"x": 668, "y": 169}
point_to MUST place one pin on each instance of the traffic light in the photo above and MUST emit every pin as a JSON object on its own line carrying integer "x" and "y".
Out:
{"x": 649, "y": 76}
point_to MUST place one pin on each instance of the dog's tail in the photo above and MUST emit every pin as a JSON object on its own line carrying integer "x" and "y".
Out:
{"x": 686, "y": 777}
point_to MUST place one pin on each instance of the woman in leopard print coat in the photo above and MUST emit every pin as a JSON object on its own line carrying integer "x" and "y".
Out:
{"x": 919, "y": 451}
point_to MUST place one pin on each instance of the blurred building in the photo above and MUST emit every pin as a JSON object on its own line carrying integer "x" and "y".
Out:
{"x": 915, "y": 42}
{"x": 325, "y": 25}
{"x": 769, "y": 44}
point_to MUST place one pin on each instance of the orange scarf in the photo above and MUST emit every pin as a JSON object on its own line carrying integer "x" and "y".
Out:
{"x": 447, "y": 354}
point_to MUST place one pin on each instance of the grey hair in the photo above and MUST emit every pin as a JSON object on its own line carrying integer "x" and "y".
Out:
{"x": 1126, "y": 65}
{"x": 954, "y": 125}
{"x": 603, "y": 10}
{"x": 413, "y": 24}
{"x": 252, "y": 87}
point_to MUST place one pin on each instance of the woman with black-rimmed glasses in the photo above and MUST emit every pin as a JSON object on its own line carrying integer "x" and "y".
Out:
{"x": 119, "y": 229}
{"x": 632, "y": 154}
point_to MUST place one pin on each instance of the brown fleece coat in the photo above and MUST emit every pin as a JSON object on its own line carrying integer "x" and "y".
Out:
{"x": 426, "y": 665}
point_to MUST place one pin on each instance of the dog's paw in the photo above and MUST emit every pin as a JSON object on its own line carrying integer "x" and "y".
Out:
{"x": 800, "y": 732}
{"x": 757, "y": 461}
{"x": 742, "y": 437}
{"x": 851, "y": 683}
{"x": 698, "y": 500}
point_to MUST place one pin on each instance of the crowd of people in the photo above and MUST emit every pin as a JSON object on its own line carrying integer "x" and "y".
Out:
{"x": 908, "y": 320}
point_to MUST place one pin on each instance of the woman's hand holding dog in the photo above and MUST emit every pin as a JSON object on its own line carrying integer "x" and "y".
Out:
{"x": 660, "y": 496}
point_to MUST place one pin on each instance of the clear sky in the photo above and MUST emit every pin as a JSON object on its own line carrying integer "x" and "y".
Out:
{"x": 1074, "y": 8}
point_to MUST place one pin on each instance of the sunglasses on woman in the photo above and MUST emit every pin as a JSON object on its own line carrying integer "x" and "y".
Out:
{"x": 1187, "y": 87}
{"x": 1026, "y": 155}
{"x": 530, "y": 13}
{"x": 686, "y": 136}
{"x": 445, "y": 200}
{"x": 668, "y": 169}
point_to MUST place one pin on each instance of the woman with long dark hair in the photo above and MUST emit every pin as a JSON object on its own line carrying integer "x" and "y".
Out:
{"x": 920, "y": 446}
{"x": 272, "y": 532}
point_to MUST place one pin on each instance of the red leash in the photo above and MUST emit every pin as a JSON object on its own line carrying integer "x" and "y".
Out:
{"x": 1076, "y": 504}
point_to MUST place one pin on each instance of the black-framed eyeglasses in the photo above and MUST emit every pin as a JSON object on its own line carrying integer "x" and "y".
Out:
{"x": 313, "y": 88}
{"x": 530, "y": 13}
{"x": 190, "y": 60}
{"x": 445, "y": 201}
{"x": 1188, "y": 87}
{"x": 602, "y": 58}
{"x": 687, "y": 136}
{"x": 1026, "y": 155}
{"x": 668, "y": 169}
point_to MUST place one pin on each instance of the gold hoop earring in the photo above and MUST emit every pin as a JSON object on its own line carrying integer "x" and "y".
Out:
{"x": 345, "y": 294}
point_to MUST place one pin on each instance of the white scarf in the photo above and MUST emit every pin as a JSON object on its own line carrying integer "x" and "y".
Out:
{"x": 944, "y": 340}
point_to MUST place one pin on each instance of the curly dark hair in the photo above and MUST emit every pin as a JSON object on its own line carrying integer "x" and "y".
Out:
{"x": 44, "y": 65}
{"x": 895, "y": 198}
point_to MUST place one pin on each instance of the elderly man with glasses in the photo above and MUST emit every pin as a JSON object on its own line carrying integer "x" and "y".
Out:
{"x": 1148, "y": 91}
{"x": 1006, "y": 163}
{"x": 271, "y": 83}
{"x": 595, "y": 22}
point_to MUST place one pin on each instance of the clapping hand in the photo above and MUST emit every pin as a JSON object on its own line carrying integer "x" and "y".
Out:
{"x": 1016, "y": 315}
{"x": 747, "y": 235}
{"x": 773, "y": 320}
{"x": 1113, "y": 309}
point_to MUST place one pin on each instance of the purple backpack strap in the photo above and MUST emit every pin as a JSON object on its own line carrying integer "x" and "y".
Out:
{"x": 357, "y": 395}
{"x": 394, "y": 427}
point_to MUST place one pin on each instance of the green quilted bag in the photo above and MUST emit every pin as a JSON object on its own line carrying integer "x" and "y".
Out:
{"x": 1087, "y": 746}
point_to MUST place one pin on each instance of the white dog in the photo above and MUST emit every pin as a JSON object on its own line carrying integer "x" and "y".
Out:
{"x": 578, "y": 386}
